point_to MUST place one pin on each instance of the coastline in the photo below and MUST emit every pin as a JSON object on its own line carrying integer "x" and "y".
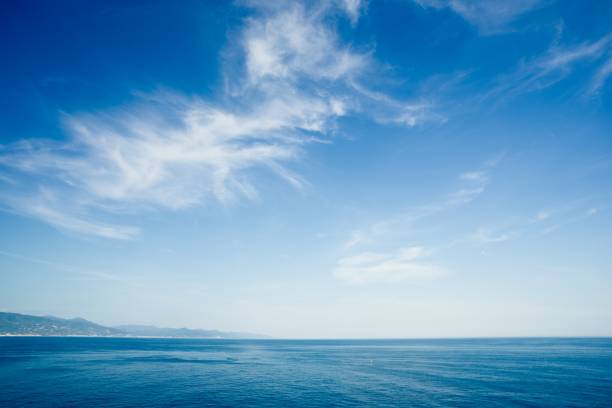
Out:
{"x": 119, "y": 337}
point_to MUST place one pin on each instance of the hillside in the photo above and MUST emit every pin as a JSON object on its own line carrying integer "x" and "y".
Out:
{"x": 17, "y": 324}
{"x": 20, "y": 324}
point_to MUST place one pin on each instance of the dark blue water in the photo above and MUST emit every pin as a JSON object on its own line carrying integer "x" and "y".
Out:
{"x": 103, "y": 372}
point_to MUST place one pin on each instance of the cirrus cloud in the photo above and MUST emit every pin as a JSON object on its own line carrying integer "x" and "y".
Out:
{"x": 291, "y": 79}
{"x": 404, "y": 265}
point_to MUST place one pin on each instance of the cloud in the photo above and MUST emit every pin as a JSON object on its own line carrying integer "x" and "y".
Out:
{"x": 169, "y": 155}
{"x": 543, "y": 222}
{"x": 483, "y": 236}
{"x": 409, "y": 264}
{"x": 294, "y": 45}
{"x": 471, "y": 185}
{"x": 491, "y": 17}
{"x": 554, "y": 65}
{"x": 404, "y": 265}
{"x": 353, "y": 9}
{"x": 473, "y": 176}
{"x": 288, "y": 81}
{"x": 356, "y": 238}
{"x": 387, "y": 110}
{"x": 599, "y": 79}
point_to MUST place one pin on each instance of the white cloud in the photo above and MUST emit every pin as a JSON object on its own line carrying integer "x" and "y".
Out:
{"x": 387, "y": 110}
{"x": 601, "y": 76}
{"x": 404, "y": 265}
{"x": 473, "y": 175}
{"x": 409, "y": 264}
{"x": 466, "y": 195}
{"x": 352, "y": 8}
{"x": 491, "y": 17}
{"x": 356, "y": 238}
{"x": 168, "y": 151}
{"x": 592, "y": 211}
{"x": 471, "y": 185}
{"x": 543, "y": 222}
{"x": 293, "y": 45}
{"x": 484, "y": 236}
{"x": 553, "y": 66}
{"x": 157, "y": 156}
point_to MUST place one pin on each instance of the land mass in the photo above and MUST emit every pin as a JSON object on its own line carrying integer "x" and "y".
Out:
{"x": 16, "y": 324}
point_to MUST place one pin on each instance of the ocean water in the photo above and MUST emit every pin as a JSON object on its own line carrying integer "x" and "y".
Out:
{"x": 105, "y": 372}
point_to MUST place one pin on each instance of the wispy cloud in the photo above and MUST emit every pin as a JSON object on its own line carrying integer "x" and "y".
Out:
{"x": 490, "y": 17}
{"x": 294, "y": 45}
{"x": 484, "y": 236}
{"x": 542, "y": 215}
{"x": 473, "y": 176}
{"x": 554, "y": 65}
{"x": 353, "y": 8}
{"x": 471, "y": 185}
{"x": 601, "y": 76}
{"x": 474, "y": 183}
{"x": 359, "y": 264}
{"x": 291, "y": 78}
{"x": 542, "y": 222}
{"x": 356, "y": 238}
{"x": 578, "y": 211}
{"x": 591, "y": 211}
{"x": 405, "y": 265}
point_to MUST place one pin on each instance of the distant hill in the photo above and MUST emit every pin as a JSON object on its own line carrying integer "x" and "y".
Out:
{"x": 153, "y": 331}
{"x": 20, "y": 324}
{"x": 26, "y": 325}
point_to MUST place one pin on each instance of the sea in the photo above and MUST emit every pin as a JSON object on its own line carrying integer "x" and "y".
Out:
{"x": 133, "y": 372}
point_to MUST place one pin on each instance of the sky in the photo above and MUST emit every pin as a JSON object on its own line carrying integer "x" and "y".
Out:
{"x": 339, "y": 169}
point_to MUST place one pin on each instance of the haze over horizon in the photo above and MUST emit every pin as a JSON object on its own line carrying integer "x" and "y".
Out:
{"x": 400, "y": 168}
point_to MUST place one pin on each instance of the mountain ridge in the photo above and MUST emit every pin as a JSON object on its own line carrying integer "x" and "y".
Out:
{"x": 18, "y": 324}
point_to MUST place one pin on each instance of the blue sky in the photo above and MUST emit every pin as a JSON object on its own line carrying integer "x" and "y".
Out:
{"x": 394, "y": 168}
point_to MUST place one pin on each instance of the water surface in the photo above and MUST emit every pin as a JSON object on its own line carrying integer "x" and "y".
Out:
{"x": 106, "y": 372}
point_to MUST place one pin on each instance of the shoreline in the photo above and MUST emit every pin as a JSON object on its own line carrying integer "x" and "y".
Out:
{"x": 121, "y": 337}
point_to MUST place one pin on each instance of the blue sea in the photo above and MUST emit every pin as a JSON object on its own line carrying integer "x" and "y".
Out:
{"x": 110, "y": 372}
